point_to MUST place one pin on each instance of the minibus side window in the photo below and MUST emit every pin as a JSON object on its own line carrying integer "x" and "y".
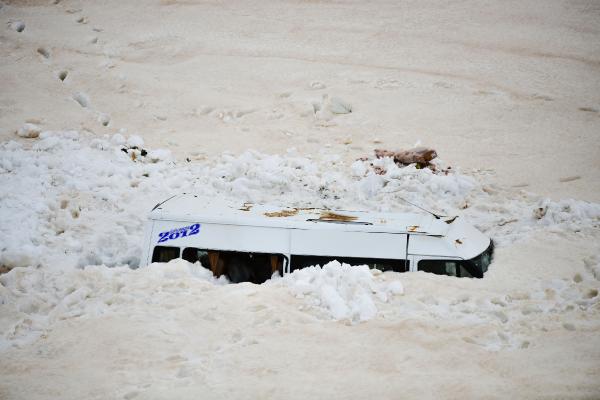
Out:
{"x": 439, "y": 267}
{"x": 192, "y": 254}
{"x": 464, "y": 273}
{"x": 397, "y": 265}
{"x": 445, "y": 267}
{"x": 165, "y": 253}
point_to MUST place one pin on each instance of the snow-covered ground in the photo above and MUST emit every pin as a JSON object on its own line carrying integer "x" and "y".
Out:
{"x": 73, "y": 213}
{"x": 251, "y": 102}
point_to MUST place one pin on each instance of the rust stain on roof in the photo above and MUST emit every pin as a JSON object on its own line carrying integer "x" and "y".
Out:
{"x": 309, "y": 209}
{"x": 246, "y": 207}
{"x": 413, "y": 228}
{"x": 282, "y": 213}
{"x": 331, "y": 216}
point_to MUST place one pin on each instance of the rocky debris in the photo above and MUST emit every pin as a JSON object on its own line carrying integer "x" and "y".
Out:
{"x": 134, "y": 152}
{"x": 421, "y": 156}
{"x": 138, "y": 153}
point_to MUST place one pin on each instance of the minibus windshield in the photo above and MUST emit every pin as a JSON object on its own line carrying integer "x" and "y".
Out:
{"x": 482, "y": 261}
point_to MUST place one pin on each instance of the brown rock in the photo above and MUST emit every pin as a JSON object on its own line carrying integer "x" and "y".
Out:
{"x": 418, "y": 155}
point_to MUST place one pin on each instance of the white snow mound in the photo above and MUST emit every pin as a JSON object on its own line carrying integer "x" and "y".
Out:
{"x": 32, "y": 300}
{"x": 341, "y": 291}
{"x": 80, "y": 200}
{"x": 29, "y": 131}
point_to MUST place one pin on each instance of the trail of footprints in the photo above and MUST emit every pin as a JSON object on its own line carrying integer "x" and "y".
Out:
{"x": 79, "y": 97}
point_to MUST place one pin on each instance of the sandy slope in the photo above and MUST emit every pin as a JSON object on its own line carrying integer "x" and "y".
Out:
{"x": 509, "y": 91}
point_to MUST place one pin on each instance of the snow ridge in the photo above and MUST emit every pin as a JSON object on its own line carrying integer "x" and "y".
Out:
{"x": 79, "y": 200}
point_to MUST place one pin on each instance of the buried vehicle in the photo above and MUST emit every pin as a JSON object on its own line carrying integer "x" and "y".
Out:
{"x": 250, "y": 242}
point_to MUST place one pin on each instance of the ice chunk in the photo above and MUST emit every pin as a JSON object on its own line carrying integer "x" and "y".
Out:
{"x": 29, "y": 131}
{"x": 159, "y": 155}
{"x": 118, "y": 139}
{"x": 339, "y": 106}
{"x": 395, "y": 287}
{"x": 358, "y": 168}
{"x": 135, "y": 141}
{"x": 341, "y": 291}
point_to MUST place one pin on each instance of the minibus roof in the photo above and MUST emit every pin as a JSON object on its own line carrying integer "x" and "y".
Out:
{"x": 197, "y": 208}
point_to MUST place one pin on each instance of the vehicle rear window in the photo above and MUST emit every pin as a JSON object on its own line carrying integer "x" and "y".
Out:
{"x": 165, "y": 253}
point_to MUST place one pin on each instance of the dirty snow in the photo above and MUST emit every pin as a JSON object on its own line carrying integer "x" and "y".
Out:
{"x": 77, "y": 201}
{"x": 74, "y": 206}
{"x": 275, "y": 102}
{"x": 341, "y": 291}
{"x": 81, "y": 200}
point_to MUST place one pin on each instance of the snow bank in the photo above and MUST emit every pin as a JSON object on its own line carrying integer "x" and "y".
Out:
{"x": 32, "y": 300}
{"x": 71, "y": 200}
{"x": 342, "y": 291}
{"x": 81, "y": 200}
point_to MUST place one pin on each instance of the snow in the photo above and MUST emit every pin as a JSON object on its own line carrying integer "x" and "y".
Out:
{"x": 36, "y": 299}
{"x": 29, "y": 131}
{"x": 18, "y": 26}
{"x": 342, "y": 291}
{"x": 133, "y": 141}
{"x": 280, "y": 112}
{"x": 82, "y": 200}
{"x": 339, "y": 106}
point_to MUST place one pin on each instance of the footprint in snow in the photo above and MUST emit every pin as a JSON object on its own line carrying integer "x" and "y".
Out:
{"x": 44, "y": 52}
{"x": 18, "y": 26}
{"x": 316, "y": 85}
{"x": 82, "y": 99}
{"x": 131, "y": 395}
{"x": 104, "y": 119}
{"x": 62, "y": 75}
{"x": 568, "y": 326}
{"x": 569, "y": 179}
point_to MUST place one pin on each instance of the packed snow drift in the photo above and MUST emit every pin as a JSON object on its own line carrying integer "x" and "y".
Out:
{"x": 83, "y": 200}
{"x": 76, "y": 201}
{"x": 107, "y": 108}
